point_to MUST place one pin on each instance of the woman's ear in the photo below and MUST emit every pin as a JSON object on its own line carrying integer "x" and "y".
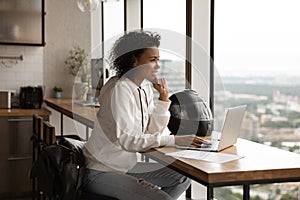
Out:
{"x": 135, "y": 61}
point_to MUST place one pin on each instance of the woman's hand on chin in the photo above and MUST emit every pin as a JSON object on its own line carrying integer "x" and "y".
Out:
{"x": 162, "y": 87}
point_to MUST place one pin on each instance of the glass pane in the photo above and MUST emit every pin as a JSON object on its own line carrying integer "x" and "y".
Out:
{"x": 113, "y": 25}
{"x": 113, "y": 19}
{"x": 169, "y": 23}
{"x": 257, "y": 63}
{"x": 21, "y": 21}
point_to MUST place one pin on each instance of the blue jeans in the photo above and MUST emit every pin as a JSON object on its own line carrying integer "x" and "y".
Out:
{"x": 146, "y": 181}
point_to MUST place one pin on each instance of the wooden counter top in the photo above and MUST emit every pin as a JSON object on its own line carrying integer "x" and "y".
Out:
{"x": 82, "y": 114}
{"x": 18, "y": 112}
{"x": 261, "y": 163}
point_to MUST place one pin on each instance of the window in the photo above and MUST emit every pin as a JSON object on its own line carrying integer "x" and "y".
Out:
{"x": 256, "y": 56}
{"x": 170, "y": 23}
{"x": 113, "y": 28}
{"x": 113, "y": 22}
{"x": 112, "y": 15}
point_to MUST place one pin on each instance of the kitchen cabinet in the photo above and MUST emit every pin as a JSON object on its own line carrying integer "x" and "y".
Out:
{"x": 16, "y": 155}
{"x": 22, "y": 22}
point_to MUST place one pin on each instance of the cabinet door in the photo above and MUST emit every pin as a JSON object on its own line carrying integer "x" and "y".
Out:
{"x": 4, "y": 145}
{"x": 24, "y": 22}
{"x": 20, "y": 131}
{"x": 15, "y": 155}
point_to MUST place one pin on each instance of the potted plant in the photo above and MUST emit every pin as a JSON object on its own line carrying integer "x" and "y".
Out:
{"x": 76, "y": 62}
{"x": 57, "y": 90}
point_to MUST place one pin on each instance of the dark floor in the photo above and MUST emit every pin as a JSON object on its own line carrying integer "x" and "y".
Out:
{"x": 198, "y": 193}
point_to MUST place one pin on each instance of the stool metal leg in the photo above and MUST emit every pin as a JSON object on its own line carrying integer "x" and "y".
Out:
{"x": 188, "y": 192}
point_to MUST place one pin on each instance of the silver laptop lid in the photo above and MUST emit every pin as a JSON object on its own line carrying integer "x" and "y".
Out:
{"x": 231, "y": 126}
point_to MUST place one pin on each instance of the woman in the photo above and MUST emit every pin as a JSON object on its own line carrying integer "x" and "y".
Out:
{"x": 128, "y": 122}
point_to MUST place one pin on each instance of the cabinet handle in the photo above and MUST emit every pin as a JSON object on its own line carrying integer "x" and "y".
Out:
{"x": 19, "y": 158}
{"x": 20, "y": 120}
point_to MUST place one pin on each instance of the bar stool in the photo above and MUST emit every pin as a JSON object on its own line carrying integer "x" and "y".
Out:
{"x": 37, "y": 145}
{"x": 50, "y": 138}
{"x": 49, "y": 133}
{"x": 44, "y": 135}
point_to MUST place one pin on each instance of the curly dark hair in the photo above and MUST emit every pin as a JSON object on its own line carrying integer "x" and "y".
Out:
{"x": 129, "y": 47}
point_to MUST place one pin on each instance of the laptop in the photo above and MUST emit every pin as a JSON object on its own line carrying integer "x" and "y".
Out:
{"x": 87, "y": 103}
{"x": 229, "y": 133}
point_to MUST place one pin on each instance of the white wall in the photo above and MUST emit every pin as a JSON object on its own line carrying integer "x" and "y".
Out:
{"x": 24, "y": 73}
{"x": 66, "y": 26}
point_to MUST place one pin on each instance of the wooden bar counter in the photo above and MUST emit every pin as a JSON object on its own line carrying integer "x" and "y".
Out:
{"x": 67, "y": 107}
{"x": 83, "y": 114}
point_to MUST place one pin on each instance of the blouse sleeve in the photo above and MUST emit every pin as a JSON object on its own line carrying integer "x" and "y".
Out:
{"x": 158, "y": 117}
{"x": 159, "y": 114}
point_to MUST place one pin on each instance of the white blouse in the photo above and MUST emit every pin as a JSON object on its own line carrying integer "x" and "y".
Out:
{"x": 127, "y": 122}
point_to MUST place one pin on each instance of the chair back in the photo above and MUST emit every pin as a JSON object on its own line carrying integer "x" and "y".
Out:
{"x": 37, "y": 146}
{"x": 49, "y": 133}
{"x": 38, "y": 126}
{"x": 43, "y": 138}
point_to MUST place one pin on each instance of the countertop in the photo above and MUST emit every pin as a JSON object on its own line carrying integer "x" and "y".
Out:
{"x": 82, "y": 114}
{"x": 18, "y": 112}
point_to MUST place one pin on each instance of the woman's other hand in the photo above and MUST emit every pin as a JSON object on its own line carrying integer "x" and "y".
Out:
{"x": 162, "y": 87}
{"x": 188, "y": 140}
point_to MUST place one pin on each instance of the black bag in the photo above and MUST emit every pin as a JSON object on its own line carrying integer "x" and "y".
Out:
{"x": 189, "y": 114}
{"x": 59, "y": 170}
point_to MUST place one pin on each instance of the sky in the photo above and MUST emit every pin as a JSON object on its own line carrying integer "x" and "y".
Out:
{"x": 252, "y": 37}
{"x": 257, "y": 37}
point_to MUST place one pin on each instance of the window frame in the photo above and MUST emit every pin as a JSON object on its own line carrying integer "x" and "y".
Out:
{"x": 211, "y": 54}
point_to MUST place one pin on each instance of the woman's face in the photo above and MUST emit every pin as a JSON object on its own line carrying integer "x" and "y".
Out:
{"x": 147, "y": 65}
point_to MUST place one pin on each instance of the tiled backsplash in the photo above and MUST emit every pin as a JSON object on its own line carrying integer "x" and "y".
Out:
{"x": 27, "y": 72}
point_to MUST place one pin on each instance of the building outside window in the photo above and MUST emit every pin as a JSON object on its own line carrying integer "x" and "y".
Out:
{"x": 256, "y": 56}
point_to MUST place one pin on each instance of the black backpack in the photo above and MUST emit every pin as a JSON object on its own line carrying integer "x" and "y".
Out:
{"x": 59, "y": 170}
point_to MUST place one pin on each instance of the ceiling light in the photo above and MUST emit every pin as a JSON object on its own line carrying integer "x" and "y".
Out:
{"x": 87, "y": 5}
{"x": 104, "y": 1}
